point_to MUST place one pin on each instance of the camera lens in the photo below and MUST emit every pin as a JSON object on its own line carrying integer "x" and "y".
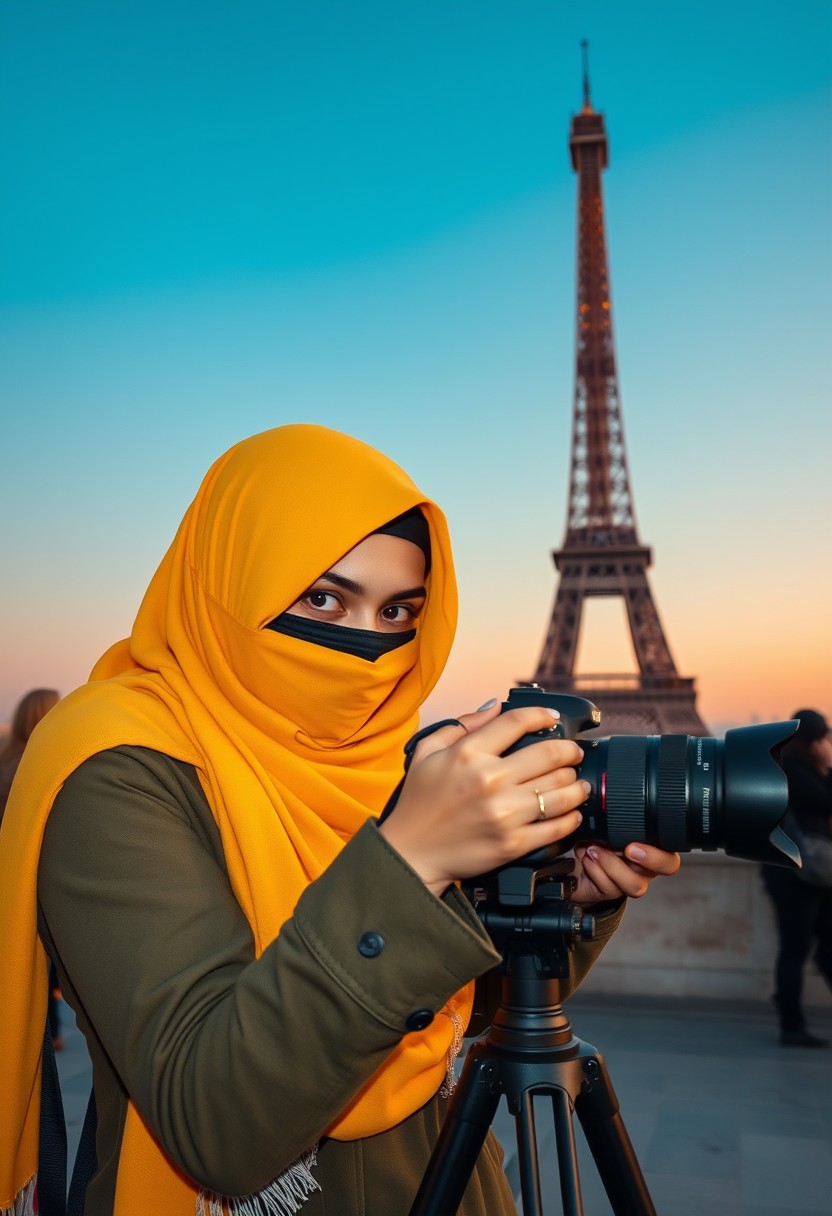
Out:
{"x": 682, "y": 792}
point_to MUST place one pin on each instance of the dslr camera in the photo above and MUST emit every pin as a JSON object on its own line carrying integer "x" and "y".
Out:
{"x": 678, "y": 792}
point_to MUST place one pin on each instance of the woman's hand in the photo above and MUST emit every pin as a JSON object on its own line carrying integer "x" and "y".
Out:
{"x": 604, "y": 875}
{"x": 465, "y": 809}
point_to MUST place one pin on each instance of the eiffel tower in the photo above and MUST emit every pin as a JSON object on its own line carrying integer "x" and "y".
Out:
{"x": 601, "y": 553}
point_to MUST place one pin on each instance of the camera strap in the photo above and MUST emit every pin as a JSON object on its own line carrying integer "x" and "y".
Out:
{"x": 409, "y": 748}
{"x": 52, "y": 1146}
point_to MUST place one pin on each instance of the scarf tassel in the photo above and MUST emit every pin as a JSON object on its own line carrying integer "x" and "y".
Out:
{"x": 24, "y": 1200}
{"x": 282, "y": 1197}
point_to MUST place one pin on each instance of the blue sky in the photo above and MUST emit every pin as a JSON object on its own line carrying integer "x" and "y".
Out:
{"x": 219, "y": 217}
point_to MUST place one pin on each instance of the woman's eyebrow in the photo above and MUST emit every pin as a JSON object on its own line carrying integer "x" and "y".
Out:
{"x": 351, "y": 585}
{"x": 411, "y": 593}
{"x": 348, "y": 584}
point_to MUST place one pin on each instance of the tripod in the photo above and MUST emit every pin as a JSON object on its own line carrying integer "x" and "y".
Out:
{"x": 530, "y": 1051}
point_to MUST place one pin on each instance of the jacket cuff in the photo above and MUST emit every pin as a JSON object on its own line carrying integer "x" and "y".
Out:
{"x": 379, "y": 933}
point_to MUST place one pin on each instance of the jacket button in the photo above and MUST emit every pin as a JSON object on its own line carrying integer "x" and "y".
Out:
{"x": 370, "y": 944}
{"x": 419, "y": 1019}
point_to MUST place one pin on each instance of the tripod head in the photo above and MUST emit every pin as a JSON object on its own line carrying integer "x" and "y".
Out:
{"x": 526, "y": 909}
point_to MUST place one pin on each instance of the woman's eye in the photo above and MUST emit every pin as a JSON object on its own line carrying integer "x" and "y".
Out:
{"x": 324, "y": 601}
{"x": 399, "y": 614}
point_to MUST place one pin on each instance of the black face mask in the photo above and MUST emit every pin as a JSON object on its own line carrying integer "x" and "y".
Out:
{"x": 363, "y": 643}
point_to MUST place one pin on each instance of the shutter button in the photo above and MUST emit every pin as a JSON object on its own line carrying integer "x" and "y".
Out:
{"x": 370, "y": 944}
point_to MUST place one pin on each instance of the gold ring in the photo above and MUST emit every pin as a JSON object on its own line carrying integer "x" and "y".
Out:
{"x": 541, "y": 805}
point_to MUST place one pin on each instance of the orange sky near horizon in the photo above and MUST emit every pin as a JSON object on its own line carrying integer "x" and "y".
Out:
{"x": 755, "y": 655}
{"x": 745, "y": 670}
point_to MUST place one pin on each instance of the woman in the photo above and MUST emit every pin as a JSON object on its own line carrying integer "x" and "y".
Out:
{"x": 803, "y": 912}
{"x": 29, "y": 711}
{"x": 272, "y": 987}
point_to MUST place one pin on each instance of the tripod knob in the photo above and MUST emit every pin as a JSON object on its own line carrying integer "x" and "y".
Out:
{"x": 583, "y": 924}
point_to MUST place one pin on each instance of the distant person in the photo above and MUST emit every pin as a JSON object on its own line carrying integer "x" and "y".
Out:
{"x": 272, "y": 985}
{"x": 31, "y": 708}
{"x": 803, "y": 912}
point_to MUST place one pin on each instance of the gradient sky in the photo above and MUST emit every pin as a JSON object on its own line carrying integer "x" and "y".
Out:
{"x": 218, "y": 217}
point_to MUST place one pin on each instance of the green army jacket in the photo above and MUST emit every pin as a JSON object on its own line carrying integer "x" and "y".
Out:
{"x": 237, "y": 1063}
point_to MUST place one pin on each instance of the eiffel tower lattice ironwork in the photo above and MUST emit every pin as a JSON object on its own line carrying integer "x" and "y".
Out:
{"x": 601, "y": 553}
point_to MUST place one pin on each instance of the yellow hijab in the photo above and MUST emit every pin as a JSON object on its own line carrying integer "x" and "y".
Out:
{"x": 295, "y": 746}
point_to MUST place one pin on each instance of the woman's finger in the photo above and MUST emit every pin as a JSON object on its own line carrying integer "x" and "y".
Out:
{"x": 540, "y": 761}
{"x": 501, "y": 730}
{"x": 492, "y": 732}
{"x": 657, "y": 861}
{"x": 598, "y": 867}
{"x": 614, "y": 875}
{"x": 558, "y": 794}
{"x": 457, "y": 729}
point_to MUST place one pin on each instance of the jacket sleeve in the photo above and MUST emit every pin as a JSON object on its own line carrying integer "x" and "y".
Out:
{"x": 237, "y": 1064}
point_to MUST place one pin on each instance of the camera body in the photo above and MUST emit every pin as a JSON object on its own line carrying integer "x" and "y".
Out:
{"x": 577, "y": 714}
{"x": 679, "y": 792}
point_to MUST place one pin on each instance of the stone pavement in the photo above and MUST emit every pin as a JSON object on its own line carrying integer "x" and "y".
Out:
{"x": 723, "y": 1120}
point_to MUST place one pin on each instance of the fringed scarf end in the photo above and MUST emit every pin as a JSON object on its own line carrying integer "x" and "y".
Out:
{"x": 448, "y": 1086}
{"x": 283, "y": 1197}
{"x": 24, "y": 1200}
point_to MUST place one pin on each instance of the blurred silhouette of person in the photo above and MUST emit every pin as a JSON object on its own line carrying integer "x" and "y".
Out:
{"x": 26, "y": 716}
{"x": 31, "y": 708}
{"x": 803, "y": 912}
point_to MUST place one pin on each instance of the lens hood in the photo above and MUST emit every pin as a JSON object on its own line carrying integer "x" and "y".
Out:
{"x": 755, "y": 794}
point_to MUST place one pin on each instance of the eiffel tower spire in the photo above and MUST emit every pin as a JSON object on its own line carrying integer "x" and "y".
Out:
{"x": 601, "y": 553}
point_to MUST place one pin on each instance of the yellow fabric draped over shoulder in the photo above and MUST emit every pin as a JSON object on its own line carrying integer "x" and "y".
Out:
{"x": 295, "y": 744}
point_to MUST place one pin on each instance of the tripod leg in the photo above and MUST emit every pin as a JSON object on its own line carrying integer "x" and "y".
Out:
{"x": 598, "y": 1110}
{"x": 458, "y": 1145}
{"x": 527, "y": 1155}
{"x": 570, "y": 1179}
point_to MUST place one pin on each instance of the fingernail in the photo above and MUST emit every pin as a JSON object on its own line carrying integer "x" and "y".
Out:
{"x": 636, "y": 853}
{"x": 554, "y": 712}
{"x": 592, "y": 853}
{"x": 488, "y": 705}
{"x": 587, "y": 788}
